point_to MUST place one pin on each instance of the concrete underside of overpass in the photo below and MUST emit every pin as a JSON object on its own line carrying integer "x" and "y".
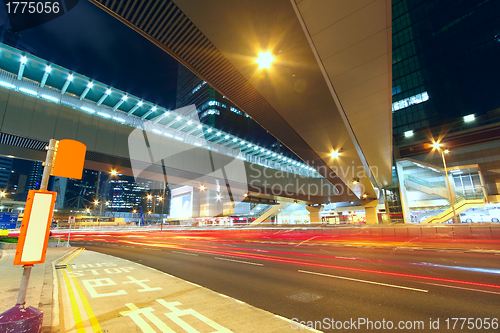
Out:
{"x": 329, "y": 87}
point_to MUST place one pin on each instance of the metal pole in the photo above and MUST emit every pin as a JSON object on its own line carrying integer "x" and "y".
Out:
{"x": 48, "y": 164}
{"x": 452, "y": 204}
{"x": 154, "y": 209}
{"x": 97, "y": 197}
{"x": 69, "y": 235}
{"x": 21, "y": 299}
{"x": 163, "y": 206}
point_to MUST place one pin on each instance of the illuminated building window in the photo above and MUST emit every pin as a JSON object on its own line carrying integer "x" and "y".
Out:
{"x": 236, "y": 111}
{"x": 209, "y": 112}
{"x": 198, "y": 87}
{"x": 404, "y": 103}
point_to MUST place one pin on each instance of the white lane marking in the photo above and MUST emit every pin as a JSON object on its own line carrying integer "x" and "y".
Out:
{"x": 283, "y": 318}
{"x": 191, "y": 283}
{"x": 189, "y": 254}
{"x": 306, "y": 241}
{"x": 242, "y": 262}
{"x": 365, "y": 281}
{"x": 456, "y": 287}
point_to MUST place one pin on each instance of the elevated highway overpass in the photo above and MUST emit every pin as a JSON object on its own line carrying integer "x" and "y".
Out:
{"x": 328, "y": 92}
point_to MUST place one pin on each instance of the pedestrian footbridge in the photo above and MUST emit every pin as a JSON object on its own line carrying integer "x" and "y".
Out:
{"x": 40, "y": 100}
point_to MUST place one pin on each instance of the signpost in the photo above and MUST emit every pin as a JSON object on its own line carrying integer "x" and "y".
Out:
{"x": 71, "y": 220}
{"x": 64, "y": 158}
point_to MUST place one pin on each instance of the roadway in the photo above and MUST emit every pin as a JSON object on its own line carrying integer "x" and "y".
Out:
{"x": 313, "y": 282}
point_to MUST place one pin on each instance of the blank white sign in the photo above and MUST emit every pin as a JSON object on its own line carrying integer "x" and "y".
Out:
{"x": 37, "y": 227}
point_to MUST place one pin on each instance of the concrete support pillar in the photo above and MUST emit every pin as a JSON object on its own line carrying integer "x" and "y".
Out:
{"x": 371, "y": 215}
{"x": 452, "y": 197}
{"x": 405, "y": 207}
{"x": 197, "y": 199}
{"x": 314, "y": 213}
{"x": 485, "y": 192}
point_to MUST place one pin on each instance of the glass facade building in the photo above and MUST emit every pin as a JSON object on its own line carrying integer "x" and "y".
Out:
{"x": 445, "y": 62}
{"x": 5, "y": 171}
{"x": 213, "y": 109}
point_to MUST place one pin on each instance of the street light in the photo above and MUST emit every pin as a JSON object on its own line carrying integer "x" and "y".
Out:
{"x": 265, "y": 59}
{"x": 114, "y": 172}
{"x": 152, "y": 198}
{"x": 436, "y": 145}
{"x": 336, "y": 153}
{"x": 98, "y": 208}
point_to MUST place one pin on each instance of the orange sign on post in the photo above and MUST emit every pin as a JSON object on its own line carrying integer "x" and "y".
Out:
{"x": 69, "y": 159}
{"x": 35, "y": 228}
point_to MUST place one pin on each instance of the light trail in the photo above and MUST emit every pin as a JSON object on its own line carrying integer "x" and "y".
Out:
{"x": 411, "y": 276}
{"x": 232, "y": 249}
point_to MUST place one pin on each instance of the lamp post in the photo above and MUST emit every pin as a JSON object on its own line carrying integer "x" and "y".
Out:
{"x": 160, "y": 199}
{"x": 437, "y": 146}
{"x": 151, "y": 198}
{"x": 98, "y": 207}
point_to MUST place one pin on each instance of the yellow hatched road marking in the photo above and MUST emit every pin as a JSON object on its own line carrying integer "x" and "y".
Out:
{"x": 96, "y": 327}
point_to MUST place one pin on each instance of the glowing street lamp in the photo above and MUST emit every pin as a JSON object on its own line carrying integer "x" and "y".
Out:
{"x": 96, "y": 202}
{"x": 113, "y": 172}
{"x": 202, "y": 187}
{"x": 335, "y": 154}
{"x": 436, "y": 145}
{"x": 264, "y": 60}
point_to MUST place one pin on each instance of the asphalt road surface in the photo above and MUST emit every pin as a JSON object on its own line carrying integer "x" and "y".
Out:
{"x": 409, "y": 287}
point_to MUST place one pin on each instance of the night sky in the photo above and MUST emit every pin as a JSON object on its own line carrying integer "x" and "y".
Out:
{"x": 93, "y": 43}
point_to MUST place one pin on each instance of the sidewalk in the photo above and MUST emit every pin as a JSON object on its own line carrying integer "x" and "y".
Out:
{"x": 40, "y": 288}
{"x": 101, "y": 293}
{"x": 94, "y": 292}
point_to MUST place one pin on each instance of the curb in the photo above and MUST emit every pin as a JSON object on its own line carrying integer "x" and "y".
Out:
{"x": 53, "y": 327}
